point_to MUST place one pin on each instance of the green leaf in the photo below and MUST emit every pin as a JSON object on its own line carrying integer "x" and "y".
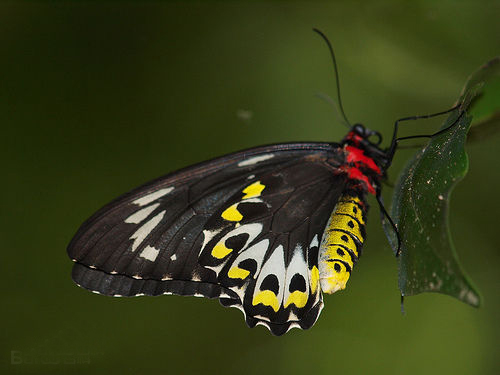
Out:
{"x": 420, "y": 206}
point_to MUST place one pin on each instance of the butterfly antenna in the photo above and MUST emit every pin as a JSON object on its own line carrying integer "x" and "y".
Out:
{"x": 340, "y": 107}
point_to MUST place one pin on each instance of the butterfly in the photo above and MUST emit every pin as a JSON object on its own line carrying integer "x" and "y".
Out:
{"x": 267, "y": 230}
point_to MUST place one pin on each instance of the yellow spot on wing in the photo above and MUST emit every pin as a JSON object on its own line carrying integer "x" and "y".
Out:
{"x": 232, "y": 213}
{"x": 253, "y": 190}
{"x": 298, "y": 298}
{"x": 268, "y": 298}
{"x": 220, "y": 251}
{"x": 314, "y": 279}
{"x": 238, "y": 273}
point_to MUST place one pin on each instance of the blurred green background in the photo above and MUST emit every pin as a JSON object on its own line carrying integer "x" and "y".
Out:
{"x": 97, "y": 98}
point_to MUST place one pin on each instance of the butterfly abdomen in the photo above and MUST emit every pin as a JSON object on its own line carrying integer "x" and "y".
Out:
{"x": 344, "y": 233}
{"x": 341, "y": 243}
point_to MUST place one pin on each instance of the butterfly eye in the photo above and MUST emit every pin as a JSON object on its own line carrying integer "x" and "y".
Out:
{"x": 359, "y": 129}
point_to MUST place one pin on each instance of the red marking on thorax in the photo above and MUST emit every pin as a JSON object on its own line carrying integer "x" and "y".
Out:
{"x": 356, "y": 155}
{"x": 354, "y": 173}
{"x": 355, "y": 160}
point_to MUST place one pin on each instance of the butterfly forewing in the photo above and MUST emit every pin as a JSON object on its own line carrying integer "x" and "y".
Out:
{"x": 243, "y": 227}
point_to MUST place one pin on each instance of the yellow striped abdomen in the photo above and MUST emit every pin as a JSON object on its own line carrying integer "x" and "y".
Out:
{"x": 341, "y": 243}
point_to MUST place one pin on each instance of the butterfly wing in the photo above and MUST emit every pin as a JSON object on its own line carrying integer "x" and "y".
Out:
{"x": 244, "y": 228}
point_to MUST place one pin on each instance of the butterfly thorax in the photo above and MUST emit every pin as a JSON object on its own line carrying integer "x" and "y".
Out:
{"x": 364, "y": 161}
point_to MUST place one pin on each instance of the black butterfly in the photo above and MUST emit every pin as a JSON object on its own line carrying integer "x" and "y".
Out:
{"x": 266, "y": 230}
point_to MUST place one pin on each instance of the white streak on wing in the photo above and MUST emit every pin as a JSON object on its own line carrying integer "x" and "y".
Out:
{"x": 153, "y": 196}
{"x": 297, "y": 265}
{"x": 293, "y": 317}
{"x": 275, "y": 265}
{"x": 251, "y": 200}
{"x": 224, "y": 295}
{"x": 142, "y": 214}
{"x": 255, "y": 160}
{"x": 145, "y": 230}
{"x": 261, "y": 323}
{"x": 208, "y": 235}
{"x": 253, "y": 230}
{"x": 262, "y": 317}
{"x": 255, "y": 252}
{"x": 173, "y": 257}
{"x": 314, "y": 241}
{"x": 218, "y": 268}
{"x": 149, "y": 253}
{"x": 293, "y": 325}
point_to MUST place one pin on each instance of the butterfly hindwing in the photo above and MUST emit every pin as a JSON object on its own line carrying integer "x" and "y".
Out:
{"x": 243, "y": 228}
{"x": 270, "y": 259}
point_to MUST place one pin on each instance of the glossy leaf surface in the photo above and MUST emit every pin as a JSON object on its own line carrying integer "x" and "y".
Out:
{"x": 420, "y": 207}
